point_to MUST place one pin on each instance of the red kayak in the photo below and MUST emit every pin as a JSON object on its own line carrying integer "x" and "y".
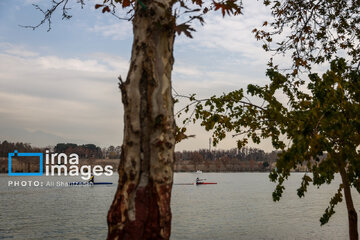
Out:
{"x": 199, "y": 183}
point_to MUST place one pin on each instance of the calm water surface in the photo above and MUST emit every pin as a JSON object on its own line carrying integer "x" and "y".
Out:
{"x": 238, "y": 207}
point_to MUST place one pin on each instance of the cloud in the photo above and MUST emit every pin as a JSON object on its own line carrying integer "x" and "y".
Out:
{"x": 186, "y": 70}
{"x": 71, "y": 98}
{"x": 117, "y": 63}
{"x": 116, "y": 31}
{"x": 209, "y": 81}
{"x": 77, "y": 97}
{"x": 232, "y": 35}
{"x": 16, "y": 50}
{"x": 53, "y": 62}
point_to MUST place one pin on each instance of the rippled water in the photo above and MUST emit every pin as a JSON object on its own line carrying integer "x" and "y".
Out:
{"x": 77, "y": 212}
{"x": 241, "y": 207}
{"x": 238, "y": 207}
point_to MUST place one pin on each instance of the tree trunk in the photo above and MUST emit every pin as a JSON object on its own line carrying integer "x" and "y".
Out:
{"x": 352, "y": 215}
{"x": 141, "y": 207}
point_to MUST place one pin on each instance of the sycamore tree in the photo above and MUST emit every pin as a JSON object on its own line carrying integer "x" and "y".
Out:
{"x": 323, "y": 127}
{"x": 141, "y": 206}
{"x": 321, "y": 123}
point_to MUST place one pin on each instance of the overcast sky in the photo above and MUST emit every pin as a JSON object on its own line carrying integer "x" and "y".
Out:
{"x": 61, "y": 86}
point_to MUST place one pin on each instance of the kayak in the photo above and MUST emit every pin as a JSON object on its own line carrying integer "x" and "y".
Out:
{"x": 89, "y": 183}
{"x": 102, "y": 183}
{"x": 200, "y": 183}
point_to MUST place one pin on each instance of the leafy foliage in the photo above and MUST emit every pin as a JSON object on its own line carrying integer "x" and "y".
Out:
{"x": 321, "y": 125}
{"x": 312, "y": 31}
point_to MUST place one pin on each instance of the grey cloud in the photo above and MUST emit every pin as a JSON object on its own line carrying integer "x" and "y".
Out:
{"x": 63, "y": 100}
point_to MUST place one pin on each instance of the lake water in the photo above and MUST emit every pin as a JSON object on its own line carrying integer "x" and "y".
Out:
{"x": 240, "y": 206}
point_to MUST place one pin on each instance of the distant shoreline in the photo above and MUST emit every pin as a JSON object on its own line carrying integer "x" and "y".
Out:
{"x": 208, "y": 166}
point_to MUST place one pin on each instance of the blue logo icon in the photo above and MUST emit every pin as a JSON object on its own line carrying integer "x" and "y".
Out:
{"x": 15, "y": 153}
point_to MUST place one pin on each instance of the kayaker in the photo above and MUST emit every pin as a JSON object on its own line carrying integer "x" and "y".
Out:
{"x": 198, "y": 180}
{"x": 91, "y": 180}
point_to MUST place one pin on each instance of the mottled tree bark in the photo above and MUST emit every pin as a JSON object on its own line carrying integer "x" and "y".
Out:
{"x": 141, "y": 207}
